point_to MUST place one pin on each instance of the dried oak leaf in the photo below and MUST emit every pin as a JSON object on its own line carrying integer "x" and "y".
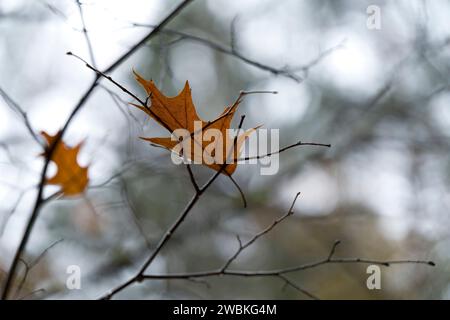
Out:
{"x": 70, "y": 176}
{"x": 179, "y": 113}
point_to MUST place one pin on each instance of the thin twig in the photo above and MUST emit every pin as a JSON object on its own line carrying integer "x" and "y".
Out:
{"x": 297, "y": 144}
{"x": 32, "y": 293}
{"x": 58, "y": 13}
{"x": 144, "y": 104}
{"x": 231, "y": 52}
{"x": 133, "y": 212}
{"x": 85, "y": 33}
{"x": 108, "y": 77}
{"x": 305, "y": 68}
{"x": 168, "y": 234}
{"x": 333, "y": 249}
{"x": 117, "y": 99}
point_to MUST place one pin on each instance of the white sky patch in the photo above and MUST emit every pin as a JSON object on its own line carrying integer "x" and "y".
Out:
{"x": 391, "y": 188}
{"x": 440, "y": 23}
{"x": 355, "y": 65}
{"x": 8, "y": 6}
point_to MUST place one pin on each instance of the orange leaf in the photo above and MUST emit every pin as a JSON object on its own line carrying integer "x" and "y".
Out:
{"x": 70, "y": 176}
{"x": 176, "y": 112}
{"x": 179, "y": 112}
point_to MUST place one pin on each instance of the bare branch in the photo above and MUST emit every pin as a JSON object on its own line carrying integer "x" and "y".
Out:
{"x": 231, "y": 52}
{"x": 297, "y": 287}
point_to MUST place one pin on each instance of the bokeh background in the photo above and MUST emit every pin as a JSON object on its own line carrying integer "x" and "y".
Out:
{"x": 380, "y": 97}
